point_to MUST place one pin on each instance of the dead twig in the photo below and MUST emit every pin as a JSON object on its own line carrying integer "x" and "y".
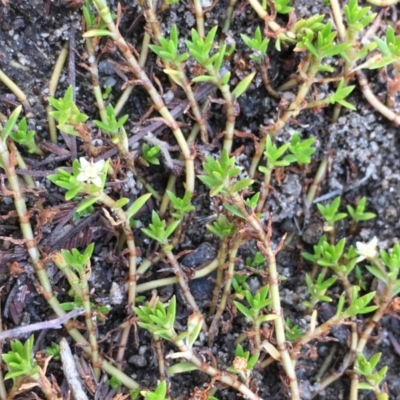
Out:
{"x": 52, "y": 324}
{"x": 70, "y": 372}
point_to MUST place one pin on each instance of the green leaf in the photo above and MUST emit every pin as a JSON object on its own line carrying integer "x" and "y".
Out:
{"x": 171, "y": 228}
{"x": 181, "y": 367}
{"x": 253, "y": 201}
{"x": 69, "y": 129}
{"x": 12, "y": 120}
{"x": 243, "y": 85}
{"x": 346, "y": 104}
{"x": 218, "y": 58}
{"x": 225, "y": 78}
{"x": 244, "y": 310}
{"x": 71, "y": 193}
{"x": 267, "y": 318}
{"x": 241, "y": 185}
{"x": 364, "y": 386}
{"x": 83, "y": 205}
{"x": 151, "y": 234}
{"x": 97, "y": 32}
{"x": 375, "y": 271}
{"x": 235, "y": 210}
{"x": 121, "y": 203}
{"x": 137, "y": 205}
{"x": 205, "y": 78}
{"x": 174, "y": 75}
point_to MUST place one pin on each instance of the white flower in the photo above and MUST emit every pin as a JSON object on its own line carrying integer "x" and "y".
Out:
{"x": 90, "y": 172}
{"x": 367, "y": 250}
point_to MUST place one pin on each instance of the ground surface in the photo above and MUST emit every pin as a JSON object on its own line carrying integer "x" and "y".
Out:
{"x": 364, "y": 161}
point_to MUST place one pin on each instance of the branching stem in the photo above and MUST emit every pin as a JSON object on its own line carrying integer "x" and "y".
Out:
{"x": 234, "y": 247}
{"x": 153, "y": 93}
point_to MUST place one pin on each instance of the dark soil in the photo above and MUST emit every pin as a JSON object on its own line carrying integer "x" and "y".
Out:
{"x": 364, "y": 162}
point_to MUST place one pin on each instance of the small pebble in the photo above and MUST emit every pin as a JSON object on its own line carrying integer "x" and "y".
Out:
{"x": 138, "y": 361}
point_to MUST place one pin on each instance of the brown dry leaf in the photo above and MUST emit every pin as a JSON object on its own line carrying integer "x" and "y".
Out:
{"x": 46, "y": 216}
{"x": 279, "y": 175}
{"x": 12, "y": 240}
{"x": 395, "y": 305}
{"x": 13, "y": 158}
{"x": 43, "y": 379}
{"x": 27, "y": 386}
{"x": 199, "y": 394}
{"x": 120, "y": 396}
{"x": 14, "y": 269}
{"x": 56, "y": 387}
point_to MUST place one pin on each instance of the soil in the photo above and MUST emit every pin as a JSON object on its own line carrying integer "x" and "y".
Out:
{"x": 364, "y": 153}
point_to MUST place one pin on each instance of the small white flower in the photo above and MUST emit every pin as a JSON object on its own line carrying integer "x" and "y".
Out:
{"x": 90, "y": 172}
{"x": 367, "y": 250}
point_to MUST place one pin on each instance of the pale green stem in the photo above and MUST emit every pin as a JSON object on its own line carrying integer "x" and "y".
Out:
{"x": 227, "y": 379}
{"x": 257, "y": 156}
{"x": 223, "y": 251}
{"x": 319, "y": 177}
{"x": 262, "y": 13}
{"x": 337, "y": 16}
{"x": 148, "y": 262}
{"x": 165, "y": 199}
{"x": 257, "y": 337}
{"x": 279, "y": 322}
{"x": 257, "y": 7}
{"x": 235, "y": 242}
{"x": 55, "y": 77}
{"x": 264, "y": 191}
{"x": 264, "y": 245}
{"x": 37, "y": 262}
{"x": 294, "y": 80}
{"x": 365, "y": 335}
{"x": 17, "y": 91}
{"x": 393, "y": 89}
{"x": 159, "y": 350}
{"x": 346, "y": 36}
{"x": 182, "y": 280}
{"x": 173, "y": 178}
{"x": 199, "y": 13}
{"x": 145, "y": 265}
{"x": 374, "y": 101}
{"x": 23, "y": 215}
{"x": 144, "y": 52}
{"x": 181, "y": 77}
{"x": 193, "y": 105}
{"x": 354, "y": 340}
{"x": 3, "y": 392}
{"x": 318, "y": 331}
{"x": 230, "y": 108}
{"x": 151, "y": 18}
{"x": 110, "y": 203}
{"x": 144, "y": 287}
{"x": 264, "y": 67}
{"x": 30, "y": 183}
{"x": 151, "y": 90}
{"x": 123, "y": 99}
{"x": 229, "y": 15}
{"x": 90, "y": 325}
{"x": 81, "y": 287}
{"x": 94, "y": 72}
{"x": 383, "y": 3}
{"x": 347, "y": 361}
{"x": 293, "y": 110}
